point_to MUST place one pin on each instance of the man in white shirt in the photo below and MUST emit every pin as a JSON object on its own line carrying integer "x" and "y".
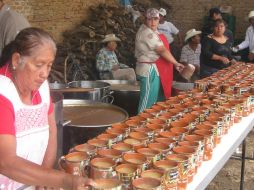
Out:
{"x": 168, "y": 28}
{"x": 249, "y": 38}
{"x": 170, "y": 31}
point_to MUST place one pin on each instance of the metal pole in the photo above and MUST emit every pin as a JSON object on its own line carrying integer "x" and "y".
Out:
{"x": 243, "y": 165}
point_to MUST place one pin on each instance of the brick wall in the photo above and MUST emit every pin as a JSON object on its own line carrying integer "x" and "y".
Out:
{"x": 186, "y": 14}
{"x": 57, "y": 16}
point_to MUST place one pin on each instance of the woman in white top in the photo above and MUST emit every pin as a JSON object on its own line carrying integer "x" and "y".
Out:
{"x": 27, "y": 124}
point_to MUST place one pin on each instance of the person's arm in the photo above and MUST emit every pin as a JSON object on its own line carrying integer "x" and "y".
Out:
{"x": 224, "y": 60}
{"x": 30, "y": 173}
{"x": 154, "y": 43}
{"x": 207, "y": 51}
{"x": 245, "y": 43}
{"x": 50, "y": 154}
{"x": 220, "y": 58}
{"x": 162, "y": 51}
{"x": 22, "y": 170}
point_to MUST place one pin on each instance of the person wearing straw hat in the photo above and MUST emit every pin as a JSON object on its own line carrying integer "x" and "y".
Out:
{"x": 155, "y": 63}
{"x": 191, "y": 51}
{"x": 249, "y": 38}
{"x": 107, "y": 63}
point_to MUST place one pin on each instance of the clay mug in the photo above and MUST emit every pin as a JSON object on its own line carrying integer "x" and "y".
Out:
{"x": 74, "y": 163}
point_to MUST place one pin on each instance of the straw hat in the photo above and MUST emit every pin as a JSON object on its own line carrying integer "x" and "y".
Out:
{"x": 251, "y": 14}
{"x": 191, "y": 33}
{"x": 111, "y": 38}
{"x": 162, "y": 12}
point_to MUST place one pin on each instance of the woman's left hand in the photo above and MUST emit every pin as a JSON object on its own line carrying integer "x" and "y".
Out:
{"x": 233, "y": 61}
{"x": 179, "y": 67}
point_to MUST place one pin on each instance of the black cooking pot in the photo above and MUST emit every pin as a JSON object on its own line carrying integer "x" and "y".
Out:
{"x": 126, "y": 94}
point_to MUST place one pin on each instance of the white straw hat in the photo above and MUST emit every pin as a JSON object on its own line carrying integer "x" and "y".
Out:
{"x": 111, "y": 38}
{"x": 251, "y": 14}
{"x": 191, "y": 33}
{"x": 162, "y": 12}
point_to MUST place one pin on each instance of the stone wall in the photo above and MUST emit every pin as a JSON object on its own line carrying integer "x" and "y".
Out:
{"x": 57, "y": 16}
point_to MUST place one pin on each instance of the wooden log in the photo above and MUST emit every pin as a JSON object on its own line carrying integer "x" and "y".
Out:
{"x": 84, "y": 30}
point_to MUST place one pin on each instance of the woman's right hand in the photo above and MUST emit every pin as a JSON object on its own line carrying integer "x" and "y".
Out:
{"x": 224, "y": 60}
{"x": 82, "y": 183}
{"x": 179, "y": 67}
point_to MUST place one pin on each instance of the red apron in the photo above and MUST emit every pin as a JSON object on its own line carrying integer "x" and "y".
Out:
{"x": 165, "y": 70}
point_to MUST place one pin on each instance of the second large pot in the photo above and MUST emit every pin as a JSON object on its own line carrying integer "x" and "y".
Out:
{"x": 126, "y": 94}
{"x": 100, "y": 92}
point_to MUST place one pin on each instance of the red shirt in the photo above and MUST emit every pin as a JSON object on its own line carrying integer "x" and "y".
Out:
{"x": 7, "y": 117}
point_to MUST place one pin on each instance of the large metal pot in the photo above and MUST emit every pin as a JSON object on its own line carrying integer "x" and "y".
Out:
{"x": 126, "y": 94}
{"x": 57, "y": 86}
{"x": 88, "y": 119}
{"x": 87, "y": 90}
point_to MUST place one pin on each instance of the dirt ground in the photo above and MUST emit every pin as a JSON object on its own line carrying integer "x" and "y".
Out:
{"x": 229, "y": 176}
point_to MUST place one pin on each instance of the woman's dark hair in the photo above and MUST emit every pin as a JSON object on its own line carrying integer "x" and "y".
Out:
{"x": 26, "y": 43}
{"x": 214, "y": 10}
{"x": 219, "y": 21}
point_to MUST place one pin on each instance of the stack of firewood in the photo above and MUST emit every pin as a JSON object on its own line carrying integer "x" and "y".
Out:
{"x": 76, "y": 56}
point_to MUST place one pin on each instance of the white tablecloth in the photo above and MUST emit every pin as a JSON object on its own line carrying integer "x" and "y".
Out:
{"x": 222, "y": 153}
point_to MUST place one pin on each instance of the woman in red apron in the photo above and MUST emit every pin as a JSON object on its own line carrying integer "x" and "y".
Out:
{"x": 154, "y": 62}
